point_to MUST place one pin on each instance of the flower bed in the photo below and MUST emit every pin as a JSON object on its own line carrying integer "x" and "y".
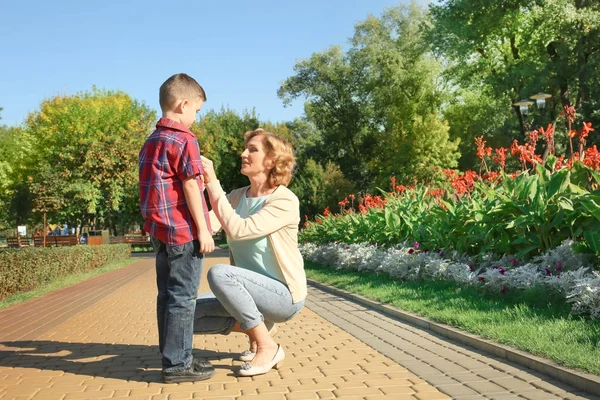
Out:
{"x": 561, "y": 269}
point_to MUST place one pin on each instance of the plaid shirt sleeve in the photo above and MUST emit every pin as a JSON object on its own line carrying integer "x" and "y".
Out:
{"x": 189, "y": 163}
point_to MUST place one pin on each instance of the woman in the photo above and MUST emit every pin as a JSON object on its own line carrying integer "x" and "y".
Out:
{"x": 265, "y": 283}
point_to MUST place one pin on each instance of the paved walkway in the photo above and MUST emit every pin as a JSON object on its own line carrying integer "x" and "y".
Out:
{"x": 98, "y": 340}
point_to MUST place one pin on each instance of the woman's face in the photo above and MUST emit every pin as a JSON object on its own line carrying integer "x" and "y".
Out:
{"x": 254, "y": 158}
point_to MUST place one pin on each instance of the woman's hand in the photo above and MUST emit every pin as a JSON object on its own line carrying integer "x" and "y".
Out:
{"x": 209, "y": 171}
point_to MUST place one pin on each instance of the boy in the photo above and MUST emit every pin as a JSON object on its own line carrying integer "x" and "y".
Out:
{"x": 176, "y": 217}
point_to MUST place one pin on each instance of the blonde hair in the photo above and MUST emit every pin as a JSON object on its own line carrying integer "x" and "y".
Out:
{"x": 278, "y": 150}
{"x": 179, "y": 87}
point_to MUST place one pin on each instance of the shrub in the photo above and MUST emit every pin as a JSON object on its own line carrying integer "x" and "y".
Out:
{"x": 27, "y": 268}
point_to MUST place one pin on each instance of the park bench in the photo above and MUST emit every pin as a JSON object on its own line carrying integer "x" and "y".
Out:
{"x": 133, "y": 240}
{"x": 17, "y": 242}
{"x": 58, "y": 240}
{"x": 141, "y": 241}
{"x": 117, "y": 239}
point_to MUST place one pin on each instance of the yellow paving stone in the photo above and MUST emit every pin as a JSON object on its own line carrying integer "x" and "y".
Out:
{"x": 273, "y": 389}
{"x": 329, "y": 379}
{"x": 185, "y": 387}
{"x": 400, "y": 375}
{"x": 125, "y": 385}
{"x": 160, "y": 397}
{"x": 325, "y": 394}
{"x": 356, "y": 392}
{"x": 122, "y": 393}
{"x": 303, "y": 374}
{"x": 350, "y": 384}
{"x": 270, "y": 396}
{"x": 48, "y": 396}
{"x": 149, "y": 391}
{"x": 20, "y": 391}
{"x": 247, "y": 385}
{"x": 221, "y": 393}
{"x": 314, "y": 387}
{"x": 397, "y": 390}
{"x": 284, "y": 382}
{"x": 391, "y": 397}
{"x": 336, "y": 372}
{"x": 180, "y": 396}
{"x": 36, "y": 383}
{"x": 94, "y": 388}
{"x": 387, "y": 382}
{"x": 423, "y": 388}
{"x": 431, "y": 396}
{"x": 103, "y": 394}
{"x": 301, "y": 396}
{"x": 9, "y": 382}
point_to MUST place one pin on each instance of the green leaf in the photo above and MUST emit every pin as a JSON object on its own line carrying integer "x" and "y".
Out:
{"x": 558, "y": 183}
{"x": 592, "y": 239}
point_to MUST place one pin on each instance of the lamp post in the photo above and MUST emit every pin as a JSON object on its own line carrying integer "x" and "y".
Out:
{"x": 524, "y": 110}
{"x": 540, "y": 99}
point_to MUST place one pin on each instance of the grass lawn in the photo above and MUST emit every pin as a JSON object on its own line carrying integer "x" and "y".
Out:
{"x": 61, "y": 283}
{"x": 534, "y": 321}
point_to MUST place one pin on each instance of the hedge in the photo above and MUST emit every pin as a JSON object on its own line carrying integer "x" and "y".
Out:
{"x": 27, "y": 268}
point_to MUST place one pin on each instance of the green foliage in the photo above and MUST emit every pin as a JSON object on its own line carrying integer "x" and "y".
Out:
{"x": 377, "y": 102}
{"x": 524, "y": 216}
{"x": 518, "y": 48}
{"x": 27, "y": 268}
{"x": 15, "y": 155}
{"x": 474, "y": 113}
{"x": 318, "y": 187}
{"x": 221, "y": 138}
{"x": 86, "y": 155}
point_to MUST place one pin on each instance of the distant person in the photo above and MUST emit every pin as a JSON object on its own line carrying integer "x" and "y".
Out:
{"x": 265, "y": 283}
{"x": 176, "y": 217}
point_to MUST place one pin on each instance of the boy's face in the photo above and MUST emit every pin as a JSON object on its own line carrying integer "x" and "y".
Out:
{"x": 189, "y": 109}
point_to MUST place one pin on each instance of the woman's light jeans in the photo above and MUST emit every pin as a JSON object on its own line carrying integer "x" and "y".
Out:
{"x": 238, "y": 294}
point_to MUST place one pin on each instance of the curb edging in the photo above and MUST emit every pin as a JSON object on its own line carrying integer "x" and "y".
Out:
{"x": 580, "y": 380}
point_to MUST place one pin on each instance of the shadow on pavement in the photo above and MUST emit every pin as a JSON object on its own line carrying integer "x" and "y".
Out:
{"x": 117, "y": 361}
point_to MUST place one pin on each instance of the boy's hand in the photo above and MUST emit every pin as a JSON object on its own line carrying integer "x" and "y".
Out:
{"x": 207, "y": 244}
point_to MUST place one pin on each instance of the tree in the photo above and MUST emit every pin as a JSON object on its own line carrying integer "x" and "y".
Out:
{"x": 15, "y": 157}
{"x": 374, "y": 103}
{"x": 86, "y": 154}
{"x": 221, "y": 138}
{"x": 514, "y": 49}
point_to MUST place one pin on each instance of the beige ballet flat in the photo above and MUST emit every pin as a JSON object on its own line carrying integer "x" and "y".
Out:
{"x": 248, "y": 369}
{"x": 248, "y": 355}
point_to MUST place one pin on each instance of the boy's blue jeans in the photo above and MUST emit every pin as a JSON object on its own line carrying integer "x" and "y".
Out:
{"x": 178, "y": 272}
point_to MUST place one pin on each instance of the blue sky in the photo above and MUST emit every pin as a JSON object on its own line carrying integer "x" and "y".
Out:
{"x": 239, "y": 51}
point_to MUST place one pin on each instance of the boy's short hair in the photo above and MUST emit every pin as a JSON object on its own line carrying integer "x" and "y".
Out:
{"x": 179, "y": 87}
{"x": 280, "y": 151}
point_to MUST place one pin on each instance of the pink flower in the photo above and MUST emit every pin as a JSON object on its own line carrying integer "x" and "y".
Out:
{"x": 416, "y": 245}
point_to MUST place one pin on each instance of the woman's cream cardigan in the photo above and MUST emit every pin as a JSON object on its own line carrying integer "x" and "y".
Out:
{"x": 278, "y": 219}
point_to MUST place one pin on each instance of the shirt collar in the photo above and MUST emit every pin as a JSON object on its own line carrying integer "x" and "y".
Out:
{"x": 173, "y": 125}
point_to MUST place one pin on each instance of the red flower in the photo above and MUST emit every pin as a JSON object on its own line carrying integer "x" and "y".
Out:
{"x": 326, "y": 211}
{"x": 501, "y": 157}
{"x": 587, "y": 128}
{"x": 481, "y": 149}
{"x": 592, "y": 157}
{"x": 569, "y": 113}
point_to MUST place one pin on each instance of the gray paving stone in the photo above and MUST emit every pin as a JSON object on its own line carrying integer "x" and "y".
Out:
{"x": 458, "y": 371}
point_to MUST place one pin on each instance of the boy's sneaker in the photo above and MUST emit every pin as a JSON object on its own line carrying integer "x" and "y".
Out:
{"x": 198, "y": 371}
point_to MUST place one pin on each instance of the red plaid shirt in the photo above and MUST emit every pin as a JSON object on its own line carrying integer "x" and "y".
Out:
{"x": 170, "y": 155}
